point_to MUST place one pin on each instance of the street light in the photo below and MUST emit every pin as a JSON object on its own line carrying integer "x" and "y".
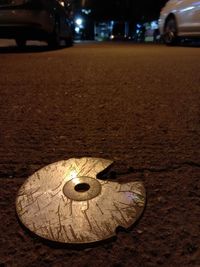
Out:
{"x": 79, "y": 21}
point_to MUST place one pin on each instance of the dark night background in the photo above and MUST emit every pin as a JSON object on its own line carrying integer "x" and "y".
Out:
{"x": 131, "y": 10}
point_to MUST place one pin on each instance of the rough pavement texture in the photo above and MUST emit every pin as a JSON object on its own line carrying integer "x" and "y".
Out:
{"x": 137, "y": 105}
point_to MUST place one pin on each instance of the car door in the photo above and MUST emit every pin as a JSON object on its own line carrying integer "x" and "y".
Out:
{"x": 195, "y": 16}
{"x": 188, "y": 16}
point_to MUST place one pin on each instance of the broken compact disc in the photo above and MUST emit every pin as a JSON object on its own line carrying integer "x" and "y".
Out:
{"x": 65, "y": 202}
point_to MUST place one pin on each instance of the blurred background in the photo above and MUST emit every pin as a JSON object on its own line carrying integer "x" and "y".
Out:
{"x": 102, "y": 20}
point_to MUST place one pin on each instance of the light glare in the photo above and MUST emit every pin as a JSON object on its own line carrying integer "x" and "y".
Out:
{"x": 79, "y": 21}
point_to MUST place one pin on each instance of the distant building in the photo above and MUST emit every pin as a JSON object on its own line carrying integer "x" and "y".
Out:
{"x": 111, "y": 30}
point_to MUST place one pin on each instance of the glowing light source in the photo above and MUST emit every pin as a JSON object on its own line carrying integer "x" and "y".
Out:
{"x": 86, "y": 11}
{"x": 62, "y": 3}
{"x": 79, "y": 21}
{"x": 77, "y": 29}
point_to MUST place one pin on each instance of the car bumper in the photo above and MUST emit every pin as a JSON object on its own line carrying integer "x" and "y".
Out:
{"x": 28, "y": 23}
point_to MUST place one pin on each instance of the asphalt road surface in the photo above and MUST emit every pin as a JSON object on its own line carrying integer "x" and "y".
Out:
{"x": 138, "y": 105}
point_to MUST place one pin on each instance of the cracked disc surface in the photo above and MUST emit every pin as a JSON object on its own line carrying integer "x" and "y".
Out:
{"x": 64, "y": 202}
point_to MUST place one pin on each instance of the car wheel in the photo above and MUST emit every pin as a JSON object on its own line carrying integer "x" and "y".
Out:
{"x": 170, "y": 32}
{"x": 21, "y": 43}
{"x": 54, "y": 39}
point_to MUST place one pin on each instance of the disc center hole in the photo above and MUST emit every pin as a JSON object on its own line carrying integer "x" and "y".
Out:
{"x": 82, "y": 187}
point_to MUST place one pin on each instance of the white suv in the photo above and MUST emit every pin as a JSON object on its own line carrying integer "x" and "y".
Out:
{"x": 180, "y": 18}
{"x": 47, "y": 20}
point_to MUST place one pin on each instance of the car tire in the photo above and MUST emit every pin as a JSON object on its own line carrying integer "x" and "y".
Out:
{"x": 54, "y": 38}
{"x": 170, "y": 32}
{"x": 21, "y": 43}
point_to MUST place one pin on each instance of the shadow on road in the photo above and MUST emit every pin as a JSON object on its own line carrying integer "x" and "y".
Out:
{"x": 190, "y": 43}
{"x": 32, "y": 48}
{"x": 27, "y": 49}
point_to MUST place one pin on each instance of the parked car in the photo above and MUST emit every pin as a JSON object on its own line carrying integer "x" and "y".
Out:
{"x": 46, "y": 20}
{"x": 180, "y": 18}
